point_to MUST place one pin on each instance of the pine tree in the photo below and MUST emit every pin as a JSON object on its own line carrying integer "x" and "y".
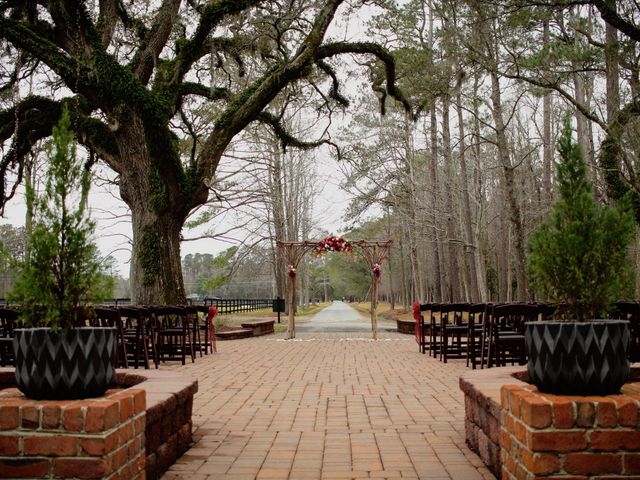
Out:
{"x": 62, "y": 270}
{"x": 580, "y": 255}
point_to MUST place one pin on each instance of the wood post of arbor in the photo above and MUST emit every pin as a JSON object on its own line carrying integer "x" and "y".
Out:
{"x": 291, "y": 325}
{"x": 374, "y": 254}
{"x": 374, "y": 305}
{"x": 292, "y": 253}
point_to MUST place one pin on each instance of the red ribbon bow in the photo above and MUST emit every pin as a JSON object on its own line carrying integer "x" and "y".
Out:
{"x": 416, "y": 317}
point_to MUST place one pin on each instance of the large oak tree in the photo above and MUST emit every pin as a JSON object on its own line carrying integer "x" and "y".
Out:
{"x": 132, "y": 72}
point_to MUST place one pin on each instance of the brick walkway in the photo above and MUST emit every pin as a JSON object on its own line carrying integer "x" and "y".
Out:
{"x": 326, "y": 406}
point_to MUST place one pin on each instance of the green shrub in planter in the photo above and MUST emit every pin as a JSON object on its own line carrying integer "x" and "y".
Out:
{"x": 580, "y": 258}
{"x": 60, "y": 274}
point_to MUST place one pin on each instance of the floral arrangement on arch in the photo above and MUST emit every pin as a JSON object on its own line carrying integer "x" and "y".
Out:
{"x": 332, "y": 244}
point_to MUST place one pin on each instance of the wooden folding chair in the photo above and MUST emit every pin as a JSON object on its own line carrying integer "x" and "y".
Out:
{"x": 139, "y": 334}
{"x": 475, "y": 324}
{"x": 630, "y": 311}
{"x": 110, "y": 317}
{"x": 423, "y": 327}
{"x": 193, "y": 320}
{"x": 506, "y": 333}
{"x": 8, "y": 321}
{"x": 435, "y": 330}
{"x": 453, "y": 331}
{"x": 173, "y": 334}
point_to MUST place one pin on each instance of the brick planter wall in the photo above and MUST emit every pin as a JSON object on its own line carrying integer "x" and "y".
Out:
{"x": 136, "y": 432}
{"x": 520, "y": 433}
{"x": 570, "y": 437}
{"x": 99, "y": 438}
{"x": 483, "y": 412}
{"x": 169, "y": 408}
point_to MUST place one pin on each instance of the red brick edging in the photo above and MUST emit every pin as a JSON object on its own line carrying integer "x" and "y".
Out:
{"x": 521, "y": 433}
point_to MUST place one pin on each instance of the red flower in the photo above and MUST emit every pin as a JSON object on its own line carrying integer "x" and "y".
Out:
{"x": 377, "y": 270}
{"x": 332, "y": 244}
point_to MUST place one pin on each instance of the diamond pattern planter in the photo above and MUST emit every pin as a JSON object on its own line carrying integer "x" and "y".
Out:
{"x": 576, "y": 358}
{"x": 52, "y": 366}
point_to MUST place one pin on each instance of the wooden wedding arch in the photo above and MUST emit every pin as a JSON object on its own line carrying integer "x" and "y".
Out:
{"x": 373, "y": 252}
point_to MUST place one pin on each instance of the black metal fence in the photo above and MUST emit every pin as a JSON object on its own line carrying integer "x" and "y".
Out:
{"x": 235, "y": 305}
{"x": 224, "y": 305}
{"x": 118, "y": 302}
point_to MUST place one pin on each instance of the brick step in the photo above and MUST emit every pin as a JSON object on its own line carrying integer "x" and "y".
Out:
{"x": 260, "y": 327}
{"x": 234, "y": 334}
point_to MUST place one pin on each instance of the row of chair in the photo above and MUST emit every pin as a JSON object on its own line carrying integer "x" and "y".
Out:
{"x": 488, "y": 335}
{"x": 146, "y": 334}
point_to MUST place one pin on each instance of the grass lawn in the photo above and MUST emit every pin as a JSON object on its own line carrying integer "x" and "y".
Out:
{"x": 384, "y": 311}
{"x": 234, "y": 320}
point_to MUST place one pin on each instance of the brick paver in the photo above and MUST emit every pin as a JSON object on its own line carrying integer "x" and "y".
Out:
{"x": 326, "y": 406}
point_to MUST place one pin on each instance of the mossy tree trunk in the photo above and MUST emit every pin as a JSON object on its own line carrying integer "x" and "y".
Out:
{"x": 159, "y": 206}
{"x": 156, "y": 270}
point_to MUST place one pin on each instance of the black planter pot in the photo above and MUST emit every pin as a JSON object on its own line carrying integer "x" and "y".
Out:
{"x": 52, "y": 366}
{"x": 578, "y": 358}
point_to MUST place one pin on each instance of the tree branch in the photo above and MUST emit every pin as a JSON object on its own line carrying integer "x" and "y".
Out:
{"x": 553, "y": 86}
{"x": 247, "y": 105}
{"x": 155, "y": 40}
{"x": 211, "y": 15}
{"x": 192, "y": 88}
{"x": 612, "y": 156}
{"x": 25, "y": 38}
{"x": 611, "y": 16}
{"x": 335, "y": 85}
{"x": 36, "y": 118}
{"x": 107, "y": 20}
{"x": 287, "y": 139}
{"x": 333, "y": 49}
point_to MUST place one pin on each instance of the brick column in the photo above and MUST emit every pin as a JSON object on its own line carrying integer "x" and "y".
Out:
{"x": 561, "y": 437}
{"x": 95, "y": 438}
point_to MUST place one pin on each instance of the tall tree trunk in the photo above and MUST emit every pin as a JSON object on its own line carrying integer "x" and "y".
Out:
{"x": 392, "y": 297}
{"x": 581, "y": 121}
{"x": 479, "y": 189}
{"x": 450, "y": 206}
{"x": 325, "y": 285}
{"x": 403, "y": 273}
{"x": 547, "y": 149}
{"x": 437, "y": 257}
{"x": 278, "y": 215}
{"x": 612, "y": 67}
{"x": 470, "y": 246}
{"x": 489, "y": 39}
{"x": 156, "y": 274}
{"x": 436, "y": 250}
{"x": 513, "y": 205}
{"x": 503, "y": 262}
{"x": 414, "y": 225}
